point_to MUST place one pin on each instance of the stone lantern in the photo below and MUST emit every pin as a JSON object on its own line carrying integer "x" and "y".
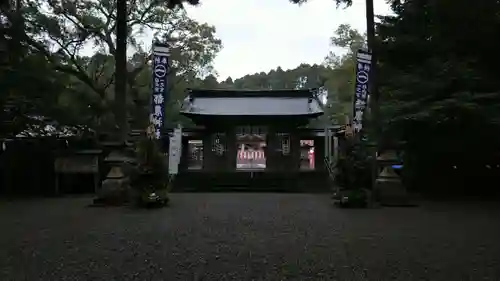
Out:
{"x": 389, "y": 188}
{"x": 115, "y": 189}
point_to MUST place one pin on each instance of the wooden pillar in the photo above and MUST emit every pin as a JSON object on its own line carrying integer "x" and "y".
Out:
{"x": 272, "y": 153}
{"x": 294, "y": 156}
{"x": 319, "y": 153}
{"x": 281, "y": 161}
{"x": 212, "y": 161}
{"x": 231, "y": 149}
{"x": 184, "y": 162}
{"x": 221, "y": 160}
{"x": 208, "y": 155}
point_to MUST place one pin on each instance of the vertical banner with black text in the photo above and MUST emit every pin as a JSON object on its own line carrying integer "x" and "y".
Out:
{"x": 159, "y": 87}
{"x": 361, "y": 95}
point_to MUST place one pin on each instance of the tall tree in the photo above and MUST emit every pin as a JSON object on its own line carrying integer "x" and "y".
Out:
{"x": 26, "y": 75}
{"x": 340, "y": 82}
{"x": 122, "y": 27}
{"x": 70, "y": 26}
{"x": 429, "y": 70}
{"x": 437, "y": 78}
{"x": 339, "y": 2}
{"x": 121, "y": 69}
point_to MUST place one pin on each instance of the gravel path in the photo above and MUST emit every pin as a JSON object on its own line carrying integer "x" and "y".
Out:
{"x": 247, "y": 237}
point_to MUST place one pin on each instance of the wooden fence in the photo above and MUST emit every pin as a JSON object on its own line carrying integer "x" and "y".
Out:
{"x": 27, "y": 166}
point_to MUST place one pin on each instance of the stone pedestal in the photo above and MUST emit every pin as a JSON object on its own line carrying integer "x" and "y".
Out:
{"x": 389, "y": 188}
{"x": 115, "y": 189}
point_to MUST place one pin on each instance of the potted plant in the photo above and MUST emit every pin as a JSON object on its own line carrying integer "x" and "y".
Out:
{"x": 152, "y": 182}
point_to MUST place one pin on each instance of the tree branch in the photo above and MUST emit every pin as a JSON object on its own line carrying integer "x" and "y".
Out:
{"x": 142, "y": 16}
{"x": 78, "y": 73}
{"x": 105, "y": 36}
{"x": 110, "y": 81}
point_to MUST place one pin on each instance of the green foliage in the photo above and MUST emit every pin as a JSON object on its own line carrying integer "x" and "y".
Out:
{"x": 354, "y": 172}
{"x": 149, "y": 156}
{"x": 50, "y": 36}
{"x": 151, "y": 165}
{"x": 58, "y": 32}
{"x": 347, "y": 3}
{"x": 151, "y": 185}
{"x": 436, "y": 69}
{"x": 354, "y": 165}
{"x": 437, "y": 80}
{"x": 437, "y": 76}
{"x": 27, "y": 77}
{"x": 341, "y": 81}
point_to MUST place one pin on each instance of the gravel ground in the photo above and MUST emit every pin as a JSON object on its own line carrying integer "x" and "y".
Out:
{"x": 247, "y": 237}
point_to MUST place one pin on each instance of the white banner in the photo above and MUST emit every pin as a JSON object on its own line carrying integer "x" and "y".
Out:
{"x": 175, "y": 151}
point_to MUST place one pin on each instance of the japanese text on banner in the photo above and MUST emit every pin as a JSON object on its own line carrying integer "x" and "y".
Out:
{"x": 159, "y": 87}
{"x": 361, "y": 95}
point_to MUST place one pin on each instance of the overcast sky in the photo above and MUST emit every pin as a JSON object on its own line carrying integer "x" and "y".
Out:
{"x": 259, "y": 35}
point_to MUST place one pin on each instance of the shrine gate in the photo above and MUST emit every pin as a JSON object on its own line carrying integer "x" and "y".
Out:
{"x": 252, "y": 139}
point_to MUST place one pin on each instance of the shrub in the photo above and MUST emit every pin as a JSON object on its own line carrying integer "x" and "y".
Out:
{"x": 354, "y": 174}
{"x": 152, "y": 182}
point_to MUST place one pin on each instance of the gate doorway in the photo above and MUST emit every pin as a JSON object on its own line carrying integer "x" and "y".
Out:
{"x": 307, "y": 155}
{"x": 251, "y": 143}
{"x": 195, "y": 155}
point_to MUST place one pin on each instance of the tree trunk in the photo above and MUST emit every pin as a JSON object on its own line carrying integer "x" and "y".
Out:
{"x": 115, "y": 189}
{"x": 121, "y": 69}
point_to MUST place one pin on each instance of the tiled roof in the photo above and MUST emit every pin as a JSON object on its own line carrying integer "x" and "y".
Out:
{"x": 252, "y": 103}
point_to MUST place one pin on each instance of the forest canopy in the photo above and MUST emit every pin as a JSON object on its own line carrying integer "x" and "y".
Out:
{"x": 432, "y": 83}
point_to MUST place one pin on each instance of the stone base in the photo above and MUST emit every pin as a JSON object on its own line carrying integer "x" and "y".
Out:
{"x": 392, "y": 193}
{"x": 114, "y": 191}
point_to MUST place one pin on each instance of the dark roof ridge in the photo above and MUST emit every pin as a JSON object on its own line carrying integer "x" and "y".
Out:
{"x": 194, "y": 93}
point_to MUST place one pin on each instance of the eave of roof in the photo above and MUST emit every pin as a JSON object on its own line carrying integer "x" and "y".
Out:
{"x": 252, "y": 103}
{"x": 195, "y": 93}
